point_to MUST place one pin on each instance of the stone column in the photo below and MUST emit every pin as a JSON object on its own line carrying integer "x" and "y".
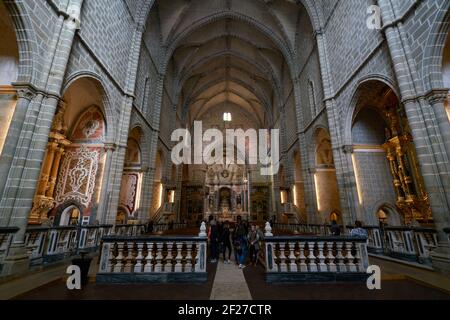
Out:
{"x": 27, "y": 96}
{"x": 18, "y": 193}
{"x": 427, "y": 134}
{"x": 436, "y": 99}
{"x": 104, "y": 197}
{"x": 342, "y": 162}
{"x": 308, "y": 185}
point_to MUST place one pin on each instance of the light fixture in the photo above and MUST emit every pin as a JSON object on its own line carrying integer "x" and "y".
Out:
{"x": 316, "y": 183}
{"x": 358, "y": 186}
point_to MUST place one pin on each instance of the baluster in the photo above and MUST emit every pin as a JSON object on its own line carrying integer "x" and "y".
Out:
{"x": 351, "y": 265}
{"x": 110, "y": 265}
{"x": 359, "y": 261}
{"x": 200, "y": 265}
{"x": 128, "y": 260}
{"x": 312, "y": 258}
{"x": 169, "y": 257}
{"x": 292, "y": 258}
{"x": 188, "y": 258}
{"x": 330, "y": 257}
{"x": 178, "y": 266}
{"x": 159, "y": 257}
{"x": 322, "y": 264}
{"x": 118, "y": 266}
{"x": 149, "y": 258}
{"x": 303, "y": 266}
{"x": 340, "y": 257}
{"x": 283, "y": 265}
{"x": 139, "y": 258}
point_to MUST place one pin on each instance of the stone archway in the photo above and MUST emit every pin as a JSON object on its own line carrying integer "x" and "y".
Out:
{"x": 74, "y": 160}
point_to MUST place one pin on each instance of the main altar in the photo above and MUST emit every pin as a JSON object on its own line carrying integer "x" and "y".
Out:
{"x": 227, "y": 192}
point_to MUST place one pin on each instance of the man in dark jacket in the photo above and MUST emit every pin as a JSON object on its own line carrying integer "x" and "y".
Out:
{"x": 335, "y": 228}
{"x": 214, "y": 240}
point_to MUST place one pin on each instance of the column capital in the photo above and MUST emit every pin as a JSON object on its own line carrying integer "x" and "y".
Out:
{"x": 437, "y": 96}
{"x": 312, "y": 170}
{"x": 348, "y": 148}
{"x": 318, "y": 33}
{"x": 110, "y": 146}
{"x": 26, "y": 92}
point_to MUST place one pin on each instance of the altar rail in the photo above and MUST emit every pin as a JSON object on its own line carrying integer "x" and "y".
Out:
{"x": 314, "y": 229}
{"x": 6, "y": 237}
{"x": 153, "y": 259}
{"x": 406, "y": 243}
{"x": 50, "y": 244}
{"x": 129, "y": 229}
{"x": 315, "y": 259}
{"x": 162, "y": 227}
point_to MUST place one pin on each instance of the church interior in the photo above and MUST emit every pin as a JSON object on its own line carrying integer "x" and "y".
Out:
{"x": 358, "y": 115}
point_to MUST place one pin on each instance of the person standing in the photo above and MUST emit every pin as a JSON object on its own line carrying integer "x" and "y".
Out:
{"x": 213, "y": 236}
{"x": 240, "y": 240}
{"x": 335, "y": 228}
{"x": 226, "y": 242}
{"x": 358, "y": 231}
{"x": 253, "y": 240}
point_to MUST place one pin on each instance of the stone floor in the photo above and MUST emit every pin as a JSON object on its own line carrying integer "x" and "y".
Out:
{"x": 228, "y": 282}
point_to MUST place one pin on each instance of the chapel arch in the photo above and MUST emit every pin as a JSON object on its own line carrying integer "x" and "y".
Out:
{"x": 72, "y": 170}
{"x": 384, "y": 160}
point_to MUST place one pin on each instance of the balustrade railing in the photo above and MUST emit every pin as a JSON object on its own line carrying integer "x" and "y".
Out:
{"x": 129, "y": 229}
{"x": 49, "y": 244}
{"x": 152, "y": 259}
{"x": 407, "y": 243}
{"x": 300, "y": 228}
{"x": 163, "y": 227}
{"x": 315, "y": 258}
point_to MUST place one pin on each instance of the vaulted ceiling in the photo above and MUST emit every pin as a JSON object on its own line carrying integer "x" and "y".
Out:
{"x": 225, "y": 52}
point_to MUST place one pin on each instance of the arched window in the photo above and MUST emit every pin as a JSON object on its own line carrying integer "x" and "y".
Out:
{"x": 227, "y": 116}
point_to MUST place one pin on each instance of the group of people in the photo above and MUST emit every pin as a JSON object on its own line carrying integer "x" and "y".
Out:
{"x": 243, "y": 240}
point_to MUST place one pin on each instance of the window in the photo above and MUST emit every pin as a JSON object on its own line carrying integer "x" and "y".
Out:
{"x": 227, "y": 116}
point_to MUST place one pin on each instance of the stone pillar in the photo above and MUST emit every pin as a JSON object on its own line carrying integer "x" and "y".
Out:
{"x": 342, "y": 162}
{"x": 427, "y": 129}
{"x": 18, "y": 193}
{"x": 26, "y": 98}
{"x": 104, "y": 197}
{"x": 436, "y": 99}
{"x": 308, "y": 184}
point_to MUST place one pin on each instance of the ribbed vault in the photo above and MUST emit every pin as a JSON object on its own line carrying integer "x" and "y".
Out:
{"x": 225, "y": 53}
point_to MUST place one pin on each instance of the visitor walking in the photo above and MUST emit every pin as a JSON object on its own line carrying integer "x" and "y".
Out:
{"x": 226, "y": 242}
{"x": 213, "y": 236}
{"x": 240, "y": 243}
